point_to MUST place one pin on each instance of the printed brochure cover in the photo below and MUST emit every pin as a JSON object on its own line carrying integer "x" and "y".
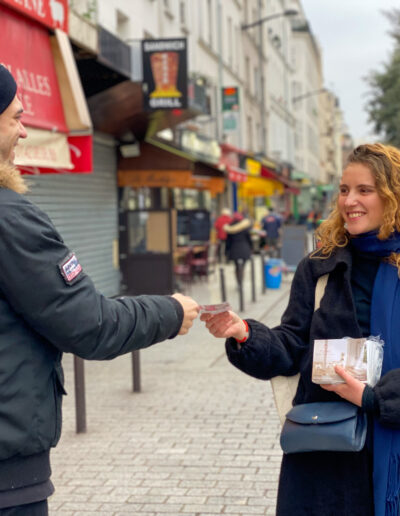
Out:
{"x": 351, "y": 354}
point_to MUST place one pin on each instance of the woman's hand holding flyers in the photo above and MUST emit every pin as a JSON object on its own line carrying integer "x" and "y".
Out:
{"x": 224, "y": 325}
{"x": 351, "y": 391}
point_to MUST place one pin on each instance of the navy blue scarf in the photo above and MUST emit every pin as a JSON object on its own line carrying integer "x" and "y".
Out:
{"x": 385, "y": 321}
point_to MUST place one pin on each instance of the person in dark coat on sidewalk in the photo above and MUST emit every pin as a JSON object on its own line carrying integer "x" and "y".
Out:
{"x": 360, "y": 250}
{"x": 219, "y": 224}
{"x": 271, "y": 224}
{"x": 49, "y": 305}
{"x": 238, "y": 243}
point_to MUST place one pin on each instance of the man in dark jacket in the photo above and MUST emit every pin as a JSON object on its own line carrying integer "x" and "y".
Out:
{"x": 48, "y": 305}
{"x": 271, "y": 224}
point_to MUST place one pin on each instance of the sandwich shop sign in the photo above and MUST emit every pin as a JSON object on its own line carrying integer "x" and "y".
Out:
{"x": 51, "y": 13}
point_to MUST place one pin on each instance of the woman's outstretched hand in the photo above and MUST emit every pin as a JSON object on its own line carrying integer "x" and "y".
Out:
{"x": 351, "y": 391}
{"x": 225, "y": 325}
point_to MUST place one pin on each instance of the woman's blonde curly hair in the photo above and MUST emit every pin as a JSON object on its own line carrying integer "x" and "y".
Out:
{"x": 384, "y": 163}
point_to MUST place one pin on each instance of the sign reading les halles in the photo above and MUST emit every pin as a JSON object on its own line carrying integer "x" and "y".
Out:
{"x": 51, "y": 13}
{"x": 25, "y": 50}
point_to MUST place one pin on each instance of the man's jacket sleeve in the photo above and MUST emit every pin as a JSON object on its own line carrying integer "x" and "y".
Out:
{"x": 64, "y": 309}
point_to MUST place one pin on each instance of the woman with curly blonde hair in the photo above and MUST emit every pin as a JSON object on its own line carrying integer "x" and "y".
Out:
{"x": 384, "y": 163}
{"x": 359, "y": 250}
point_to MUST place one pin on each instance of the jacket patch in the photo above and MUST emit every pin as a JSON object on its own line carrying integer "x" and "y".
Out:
{"x": 70, "y": 269}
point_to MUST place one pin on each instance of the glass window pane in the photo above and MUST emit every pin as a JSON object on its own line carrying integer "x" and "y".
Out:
{"x": 148, "y": 232}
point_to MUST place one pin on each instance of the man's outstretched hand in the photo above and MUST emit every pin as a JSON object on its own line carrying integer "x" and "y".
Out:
{"x": 190, "y": 312}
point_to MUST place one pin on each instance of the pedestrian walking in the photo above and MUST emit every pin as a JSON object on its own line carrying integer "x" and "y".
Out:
{"x": 219, "y": 224}
{"x": 271, "y": 224}
{"x": 48, "y": 305}
{"x": 238, "y": 243}
{"x": 360, "y": 250}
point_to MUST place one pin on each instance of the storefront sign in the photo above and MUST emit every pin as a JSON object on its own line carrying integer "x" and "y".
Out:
{"x": 236, "y": 175}
{"x": 43, "y": 149}
{"x": 155, "y": 178}
{"x": 259, "y": 187}
{"x": 201, "y": 147}
{"x": 230, "y": 121}
{"x": 253, "y": 167}
{"x": 215, "y": 185}
{"x": 51, "y": 13}
{"x": 81, "y": 150}
{"x": 25, "y": 50}
{"x": 72, "y": 154}
{"x": 165, "y": 82}
{"x": 230, "y": 99}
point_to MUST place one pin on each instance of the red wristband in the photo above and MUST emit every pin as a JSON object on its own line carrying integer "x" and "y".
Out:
{"x": 247, "y": 336}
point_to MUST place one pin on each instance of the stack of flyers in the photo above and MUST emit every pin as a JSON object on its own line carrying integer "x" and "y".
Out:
{"x": 215, "y": 309}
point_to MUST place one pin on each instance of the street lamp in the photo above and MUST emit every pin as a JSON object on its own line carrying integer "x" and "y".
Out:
{"x": 259, "y": 23}
{"x": 288, "y": 12}
{"x": 309, "y": 94}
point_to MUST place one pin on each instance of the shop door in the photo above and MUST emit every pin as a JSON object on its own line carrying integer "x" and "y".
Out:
{"x": 146, "y": 256}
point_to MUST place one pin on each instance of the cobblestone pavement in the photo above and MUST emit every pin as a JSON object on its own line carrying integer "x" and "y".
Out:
{"x": 201, "y": 438}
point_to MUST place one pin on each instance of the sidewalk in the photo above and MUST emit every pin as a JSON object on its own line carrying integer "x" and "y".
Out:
{"x": 201, "y": 438}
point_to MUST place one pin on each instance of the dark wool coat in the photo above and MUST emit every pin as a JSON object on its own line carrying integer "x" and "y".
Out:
{"x": 238, "y": 242}
{"x": 317, "y": 483}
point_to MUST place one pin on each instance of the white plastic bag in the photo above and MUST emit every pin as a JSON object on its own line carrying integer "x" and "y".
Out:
{"x": 374, "y": 346}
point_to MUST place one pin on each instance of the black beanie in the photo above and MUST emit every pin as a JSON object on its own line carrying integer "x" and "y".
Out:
{"x": 8, "y": 88}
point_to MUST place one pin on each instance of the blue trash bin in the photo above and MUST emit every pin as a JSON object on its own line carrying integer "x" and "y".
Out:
{"x": 273, "y": 273}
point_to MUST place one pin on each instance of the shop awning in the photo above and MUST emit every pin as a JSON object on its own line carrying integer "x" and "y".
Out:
{"x": 290, "y": 186}
{"x": 169, "y": 179}
{"x": 50, "y": 90}
{"x": 158, "y": 167}
{"x": 43, "y": 149}
{"x": 230, "y": 161}
{"x": 302, "y": 177}
{"x": 260, "y": 187}
{"x": 236, "y": 174}
{"x": 51, "y": 157}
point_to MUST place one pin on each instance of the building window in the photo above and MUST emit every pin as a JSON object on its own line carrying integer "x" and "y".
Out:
{"x": 230, "y": 41}
{"x": 237, "y": 55}
{"x": 182, "y": 12}
{"x": 250, "y": 145}
{"x": 256, "y": 82}
{"x": 248, "y": 77}
{"x": 245, "y": 11}
{"x": 259, "y": 137}
{"x": 210, "y": 22}
{"x": 123, "y": 29}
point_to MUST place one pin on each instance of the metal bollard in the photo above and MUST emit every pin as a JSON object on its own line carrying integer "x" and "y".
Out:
{"x": 222, "y": 283}
{"x": 263, "y": 288}
{"x": 240, "y": 285}
{"x": 136, "y": 370}
{"x": 253, "y": 280}
{"x": 80, "y": 403}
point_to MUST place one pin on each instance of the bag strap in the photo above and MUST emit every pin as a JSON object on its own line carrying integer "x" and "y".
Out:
{"x": 284, "y": 388}
{"x": 320, "y": 290}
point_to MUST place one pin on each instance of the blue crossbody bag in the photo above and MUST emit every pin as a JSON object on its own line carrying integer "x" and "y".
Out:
{"x": 324, "y": 426}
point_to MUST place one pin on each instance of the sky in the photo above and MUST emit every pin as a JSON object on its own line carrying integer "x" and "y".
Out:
{"x": 353, "y": 36}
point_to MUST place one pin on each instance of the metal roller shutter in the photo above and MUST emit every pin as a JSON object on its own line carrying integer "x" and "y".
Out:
{"x": 84, "y": 209}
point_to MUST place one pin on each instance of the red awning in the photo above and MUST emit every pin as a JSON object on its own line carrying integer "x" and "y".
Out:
{"x": 55, "y": 108}
{"x": 236, "y": 175}
{"x": 289, "y": 185}
{"x": 25, "y": 50}
{"x": 80, "y": 156}
{"x": 52, "y": 14}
